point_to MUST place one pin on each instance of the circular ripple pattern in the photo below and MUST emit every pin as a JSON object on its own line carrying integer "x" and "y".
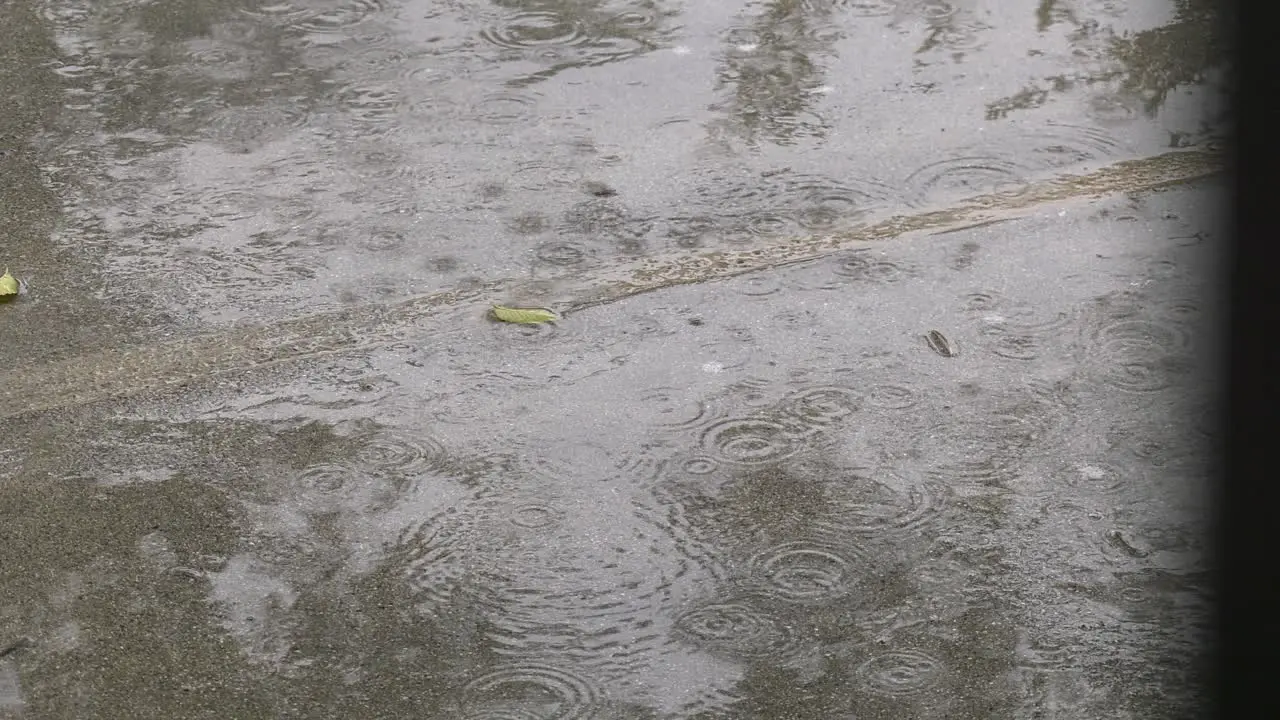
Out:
{"x": 506, "y": 334}
{"x": 759, "y": 286}
{"x": 768, "y": 225}
{"x": 699, "y": 465}
{"x": 645, "y": 325}
{"x": 544, "y": 176}
{"x": 433, "y": 555}
{"x": 1158, "y": 447}
{"x": 765, "y": 205}
{"x": 535, "y": 515}
{"x": 374, "y": 104}
{"x": 751, "y": 441}
{"x": 402, "y": 453}
{"x": 1006, "y": 343}
{"x": 887, "y": 500}
{"x": 1113, "y": 108}
{"x": 503, "y": 713}
{"x": 983, "y": 302}
{"x": 1103, "y": 477}
{"x": 282, "y": 13}
{"x": 803, "y": 572}
{"x": 822, "y": 406}
{"x": 856, "y": 8}
{"x": 560, "y": 694}
{"x": 861, "y": 266}
{"x": 891, "y": 397}
{"x": 1135, "y": 595}
{"x": 735, "y": 630}
{"x": 1059, "y": 145}
{"x": 589, "y": 589}
{"x": 504, "y": 108}
{"x": 1022, "y": 336}
{"x": 1140, "y": 356}
{"x": 634, "y": 19}
{"x": 899, "y": 673}
{"x": 535, "y": 29}
{"x": 983, "y": 450}
{"x": 962, "y": 177}
{"x": 327, "y": 478}
{"x": 824, "y": 209}
{"x": 676, "y": 410}
{"x": 818, "y": 203}
{"x": 336, "y": 16}
{"x": 564, "y": 254}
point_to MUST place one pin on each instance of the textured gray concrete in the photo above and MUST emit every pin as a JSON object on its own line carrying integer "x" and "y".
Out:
{"x": 880, "y": 388}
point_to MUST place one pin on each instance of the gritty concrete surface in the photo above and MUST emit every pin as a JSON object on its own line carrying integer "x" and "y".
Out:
{"x": 881, "y": 387}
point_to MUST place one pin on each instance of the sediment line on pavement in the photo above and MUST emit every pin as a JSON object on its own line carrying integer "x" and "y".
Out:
{"x": 127, "y": 371}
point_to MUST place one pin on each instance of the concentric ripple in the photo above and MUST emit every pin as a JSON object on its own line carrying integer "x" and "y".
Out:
{"x": 635, "y": 19}
{"x": 959, "y": 33}
{"x": 900, "y": 673}
{"x": 535, "y": 29}
{"x": 1100, "y": 476}
{"x": 804, "y": 572}
{"x": 402, "y": 453}
{"x": 723, "y": 197}
{"x": 283, "y": 13}
{"x": 855, "y": 8}
{"x": 545, "y": 176}
{"x": 1140, "y": 356}
{"x": 960, "y": 177}
{"x": 888, "y": 396}
{"x": 985, "y": 302}
{"x": 675, "y": 409}
{"x": 1158, "y": 447}
{"x": 736, "y": 630}
{"x": 1059, "y": 145}
{"x": 864, "y": 266}
{"x": 328, "y": 478}
{"x": 504, "y": 107}
{"x": 584, "y": 584}
{"x": 562, "y": 253}
{"x": 1017, "y": 333}
{"x": 434, "y": 557}
{"x": 373, "y": 104}
{"x": 554, "y": 693}
{"x": 698, "y": 465}
{"x": 769, "y": 225}
{"x": 982, "y": 450}
{"x": 819, "y": 203}
{"x": 331, "y": 16}
{"x": 504, "y": 713}
{"x": 535, "y": 515}
{"x": 826, "y": 208}
{"x": 765, "y": 206}
{"x": 886, "y": 500}
{"x": 759, "y": 286}
{"x": 1014, "y": 346}
{"x": 751, "y": 441}
{"x": 822, "y": 406}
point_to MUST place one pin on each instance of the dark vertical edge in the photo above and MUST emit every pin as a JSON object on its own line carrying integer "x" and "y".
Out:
{"x": 1247, "y": 651}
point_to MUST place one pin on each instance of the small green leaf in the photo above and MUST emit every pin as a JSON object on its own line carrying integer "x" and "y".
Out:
{"x": 8, "y": 284}
{"x": 524, "y": 316}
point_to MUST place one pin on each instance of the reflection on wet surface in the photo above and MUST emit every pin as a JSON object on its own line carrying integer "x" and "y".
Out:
{"x": 263, "y": 457}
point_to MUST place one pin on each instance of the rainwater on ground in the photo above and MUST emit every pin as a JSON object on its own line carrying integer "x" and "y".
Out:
{"x": 881, "y": 386}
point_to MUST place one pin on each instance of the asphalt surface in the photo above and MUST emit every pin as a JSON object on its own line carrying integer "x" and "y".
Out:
{"x": 880, "y": 385}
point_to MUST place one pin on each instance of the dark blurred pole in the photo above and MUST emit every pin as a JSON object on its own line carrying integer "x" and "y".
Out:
{"x": 1248, "y": 652}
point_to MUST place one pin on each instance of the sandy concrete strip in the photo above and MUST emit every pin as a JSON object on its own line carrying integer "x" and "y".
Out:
{"x": 124, "y": 372}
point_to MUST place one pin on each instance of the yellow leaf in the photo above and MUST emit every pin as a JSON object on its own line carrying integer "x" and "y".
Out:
{"x": 525, "y": 316}
{"x": 8, "y": 284}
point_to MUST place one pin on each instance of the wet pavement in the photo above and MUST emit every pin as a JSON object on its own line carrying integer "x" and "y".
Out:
{"x": 880, "y": 387}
